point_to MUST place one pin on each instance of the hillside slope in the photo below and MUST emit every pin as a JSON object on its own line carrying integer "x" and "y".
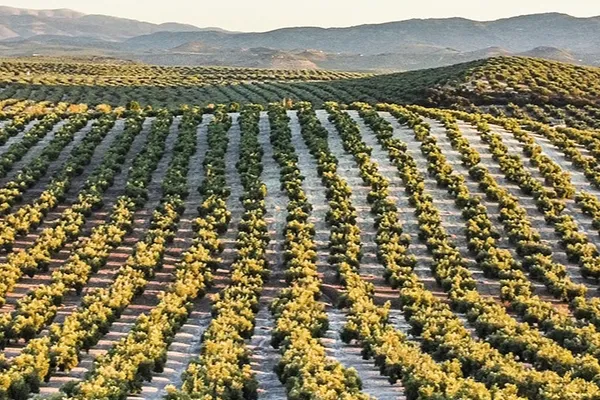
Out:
{"x": 498, "y": 80}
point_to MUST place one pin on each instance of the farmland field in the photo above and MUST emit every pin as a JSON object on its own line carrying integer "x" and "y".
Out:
{"x": 270, "y": 243}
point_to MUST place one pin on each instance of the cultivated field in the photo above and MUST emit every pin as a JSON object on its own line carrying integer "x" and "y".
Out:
{"x": 353, "y": 252}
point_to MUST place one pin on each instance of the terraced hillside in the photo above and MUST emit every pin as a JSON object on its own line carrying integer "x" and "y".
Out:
{"x": 336, "y": 253}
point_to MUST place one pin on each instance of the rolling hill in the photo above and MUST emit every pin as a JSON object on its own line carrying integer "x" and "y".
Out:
{"x": 495, "y": 81}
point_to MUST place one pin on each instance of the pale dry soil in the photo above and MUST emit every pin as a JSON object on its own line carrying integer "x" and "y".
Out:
{"x": 348, "y": 355}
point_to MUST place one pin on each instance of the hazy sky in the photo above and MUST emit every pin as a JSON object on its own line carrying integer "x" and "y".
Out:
{"x": 261, "y": 15}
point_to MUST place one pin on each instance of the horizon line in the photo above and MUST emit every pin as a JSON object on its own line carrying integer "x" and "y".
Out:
{"x": 306, "y": 26}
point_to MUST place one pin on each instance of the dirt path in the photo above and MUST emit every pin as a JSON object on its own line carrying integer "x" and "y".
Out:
{"x": 264, "y": 357}
{"x": 349, "y": 355}
{"x": 451, "y": 216}
{"x": 577, "y": 178}
{"x": 118, "y": 256}
{"x": 57, "y": 164}
{"x": 405, "y": 209}
{"x": 186, "y": 342}
{"x": 18, "y": 137}
{"x": 140, "y": 304}
{"x": 549, "y": 148}
{"x": 35, "y": 151}
{"x": 71, "y": 301}
{"x": 537, "y": 219}
{"x": 43, "y": 278}
{"x": 439, "y": 132}
{"x": 31, "y": 194}
{"x": 234, "y": 205}
{"x": 444, "y": 203}
{"x": 370, "y": 268}
{"x": 98, "y": 157}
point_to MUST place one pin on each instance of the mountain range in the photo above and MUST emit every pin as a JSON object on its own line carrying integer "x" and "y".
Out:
{"x": 393, "y": 46}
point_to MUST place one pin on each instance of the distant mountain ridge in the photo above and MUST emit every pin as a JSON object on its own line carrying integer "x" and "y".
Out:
{"x": 24, "y": 23}
{"x": 392, "y": 46}
{"x": 517, "y": 34}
